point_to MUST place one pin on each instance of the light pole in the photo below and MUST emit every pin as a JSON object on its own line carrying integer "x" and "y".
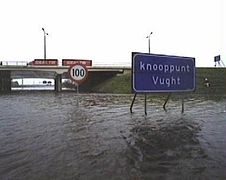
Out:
{"x": 149, "y": 50}
{"x": 145, "y": 95}
{"x": 45, "y": 34}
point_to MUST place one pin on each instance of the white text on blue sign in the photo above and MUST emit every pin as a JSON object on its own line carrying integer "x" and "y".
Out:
{"x": 153, "y": 73}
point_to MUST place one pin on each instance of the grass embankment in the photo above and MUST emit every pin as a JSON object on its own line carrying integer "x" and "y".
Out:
{"x": 216, "y": 78}
{"x": 121, "y": 84}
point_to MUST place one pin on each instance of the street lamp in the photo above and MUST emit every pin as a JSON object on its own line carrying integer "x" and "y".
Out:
{"x": 45, "y": 34}
{"x": 145, "y": 95}
{"x": 149, "y": 50}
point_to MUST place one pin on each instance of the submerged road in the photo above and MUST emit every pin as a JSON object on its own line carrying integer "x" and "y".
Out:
{"x": 47, "y": 136}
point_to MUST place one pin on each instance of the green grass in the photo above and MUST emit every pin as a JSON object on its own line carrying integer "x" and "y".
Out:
{"x": 120, "y": 84}
{"x": 217, "y": 80}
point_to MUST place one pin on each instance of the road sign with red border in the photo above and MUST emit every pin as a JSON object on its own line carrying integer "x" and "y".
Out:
{"x": 78, "y": 73}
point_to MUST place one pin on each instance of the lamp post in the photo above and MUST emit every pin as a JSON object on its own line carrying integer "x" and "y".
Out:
{"x": 45, "y": 34}
{"x": 145, "y": 95}
{"x": 149, "y": 50}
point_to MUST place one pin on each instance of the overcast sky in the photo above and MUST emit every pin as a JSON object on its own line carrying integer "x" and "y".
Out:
{"x": 107, "y": 31}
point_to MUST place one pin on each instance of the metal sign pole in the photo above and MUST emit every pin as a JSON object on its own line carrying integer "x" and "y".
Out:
{"x": 145, "y": 104}
{"x": 131, "y": 106}
{"x": 167, "y": 99}
{"x": 182, "y": 108}
{"x": 77, "y": 91}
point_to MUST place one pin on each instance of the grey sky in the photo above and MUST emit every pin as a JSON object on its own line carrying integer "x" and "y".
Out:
{"x": 107, "y": 31}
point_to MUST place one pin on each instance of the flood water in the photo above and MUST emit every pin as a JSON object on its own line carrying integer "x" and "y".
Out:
{"x": 44, "y": 135}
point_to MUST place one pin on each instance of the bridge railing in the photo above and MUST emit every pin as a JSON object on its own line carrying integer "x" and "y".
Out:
{"x": 13, "y": 63}
{"x": 102, "y": 65}
{"x": 114, "y": 65}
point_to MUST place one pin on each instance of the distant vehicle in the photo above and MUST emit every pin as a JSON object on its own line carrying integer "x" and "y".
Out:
{"x": 44, "y": 62}
{"x": 0, "y": 63}
{"x": 69, "y": 62}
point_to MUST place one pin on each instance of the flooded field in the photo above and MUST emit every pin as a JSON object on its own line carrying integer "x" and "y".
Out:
{"x": 44, "y": 135}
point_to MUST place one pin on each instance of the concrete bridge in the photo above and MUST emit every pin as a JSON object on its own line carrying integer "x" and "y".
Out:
{"x": 96, "y": 74}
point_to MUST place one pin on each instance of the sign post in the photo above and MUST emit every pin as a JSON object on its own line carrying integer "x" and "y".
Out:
{"x": 78, "y": 74}
{"x": 154, "y": 73}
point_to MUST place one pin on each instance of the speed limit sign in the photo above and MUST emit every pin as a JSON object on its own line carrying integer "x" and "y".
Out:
{"x": 78, "y": 73}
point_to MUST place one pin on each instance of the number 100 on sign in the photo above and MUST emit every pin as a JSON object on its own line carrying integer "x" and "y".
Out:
{"x": 78, "y": 73}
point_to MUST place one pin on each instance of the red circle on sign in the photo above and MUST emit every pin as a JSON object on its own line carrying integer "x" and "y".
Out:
{"x": 78, "y": 73}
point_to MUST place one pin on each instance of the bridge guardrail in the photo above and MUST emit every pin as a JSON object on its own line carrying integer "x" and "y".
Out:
{"x": 25, "y": 63}
{"x": 13, "y": 63}
{"x": 115, "y": 65}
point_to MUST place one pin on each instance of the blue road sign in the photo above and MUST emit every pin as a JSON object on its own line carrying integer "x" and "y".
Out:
{"x": 162, "y": 73}
{"x": 217, "y": 58}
